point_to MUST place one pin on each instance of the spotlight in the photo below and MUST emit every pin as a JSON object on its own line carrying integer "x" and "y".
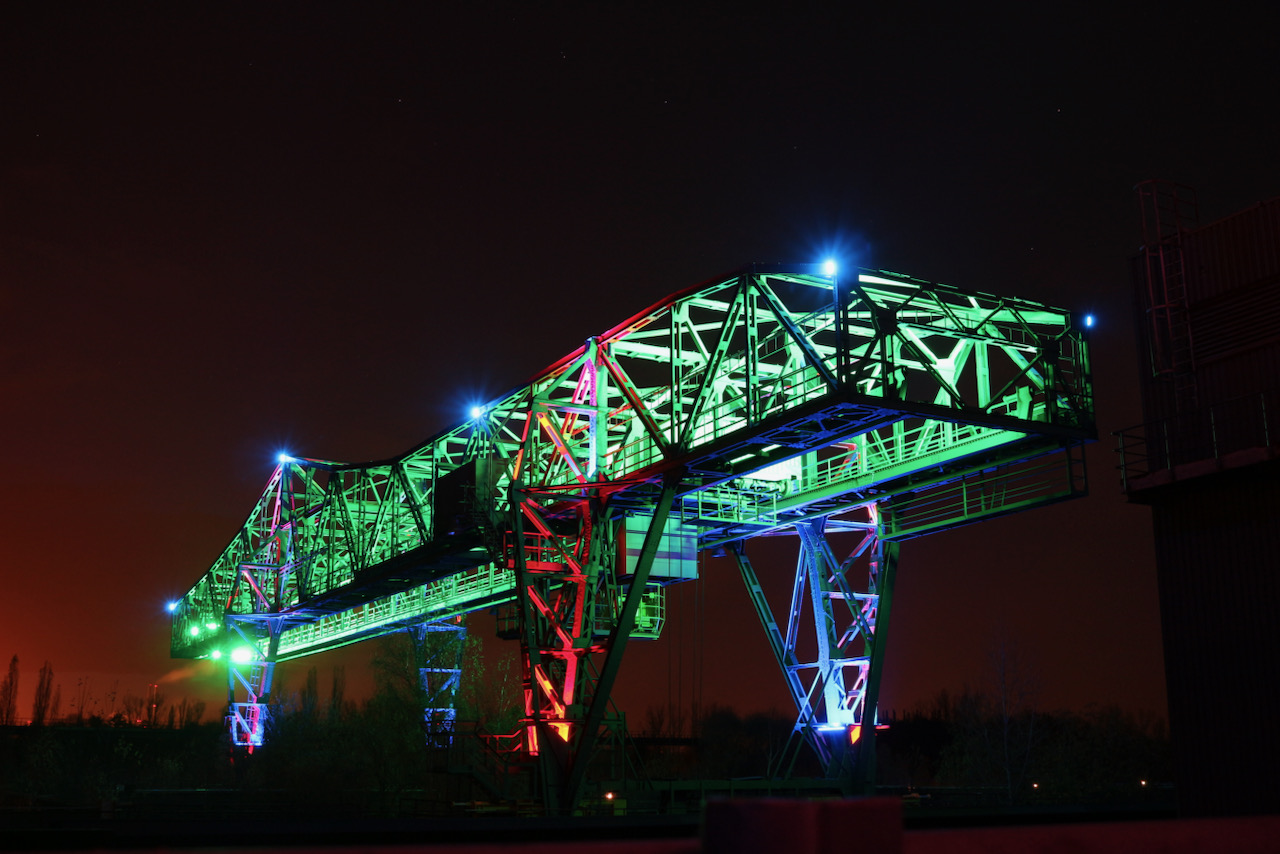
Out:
{"x": 477, "y": 412}
{"x": 1088, "y": 321}
{"x": 829, "y": 267}
{"x": 283, "y": 458}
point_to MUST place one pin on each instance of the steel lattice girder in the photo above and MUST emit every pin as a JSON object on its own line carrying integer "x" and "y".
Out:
{"x": 761, "y": 402}
{"x": 929, "y": 383}
{"x": 829, "y": 660}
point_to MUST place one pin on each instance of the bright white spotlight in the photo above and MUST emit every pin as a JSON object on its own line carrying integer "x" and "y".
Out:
{"x": 1088, "y": 320}
{"x": 477, "y": 411}
{"x": 172, "y": 606}
{"x": 283, "y": 458}
{"x": 242, "y": 655}
{"x": 829, "y": 267}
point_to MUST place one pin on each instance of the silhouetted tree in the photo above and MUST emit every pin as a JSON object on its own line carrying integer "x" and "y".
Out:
{"x": 132, "y": 706}
{"x": 729, "y": 746}
{"x": 1103, "y": 754}
{"x": 910, "y": 750}
{"x": 1016, "y": 693}
{"x": 110, "y": 710}
{"x": 309, "y": 700}
{"x": 337, "y": 695}
{"x": 187, "y": 713}
{"x": 655, "y": 722}
{"x": 9, "y": 695}
{"x": 995, "y": 734}
{"x": 81, "y": 702}
{"x": 44, "y": 696}
{"x": 665, "y": 721}
{"x": 491, "y": 694}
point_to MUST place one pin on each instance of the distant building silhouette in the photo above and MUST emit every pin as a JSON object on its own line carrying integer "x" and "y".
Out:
{"x": 1205, "y": 460}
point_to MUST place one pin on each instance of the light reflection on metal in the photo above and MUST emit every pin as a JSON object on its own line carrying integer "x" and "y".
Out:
{"x": 764, "y": 402}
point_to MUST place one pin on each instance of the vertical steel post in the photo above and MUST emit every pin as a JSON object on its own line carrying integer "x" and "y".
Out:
{"x": 842, "y": 332}
{"x": 885, "y": 568}
{"x": 539, "y": 739}
{"x": 617, "y": 642}
{"x": 439, "y": 666}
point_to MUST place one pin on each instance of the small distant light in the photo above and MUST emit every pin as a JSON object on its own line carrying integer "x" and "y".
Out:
{"x": 1088, "y": 320}
{"x": 283, "y": 458}
{"x": 1035, "y": 785}
{"x": 172, "y": 606}
{"x": 829, "y": 267}
{"x": 608, "y": 796}
{"x": 211, "y": 626}
{"x": 1143, "y": 782}
{"x": 477, "y": 411}
{"x": 195, "y": 631}
{"x": 216, "y": 654}
{"x": 242, "y": 655}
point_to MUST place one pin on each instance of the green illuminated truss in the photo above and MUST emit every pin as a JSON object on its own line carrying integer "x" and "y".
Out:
{"x": 764, "y": 401}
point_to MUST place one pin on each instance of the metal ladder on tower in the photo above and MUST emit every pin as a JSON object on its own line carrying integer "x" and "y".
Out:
{"x": 1169, "y": 210}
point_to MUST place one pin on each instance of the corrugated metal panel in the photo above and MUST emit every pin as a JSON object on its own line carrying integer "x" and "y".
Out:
{"x": 1218, "y": 535}
{"x": 1240, "y": 250}
{"x": 1239, "y": 375}
{"x": 1232, "y": 288}
{"x": 1240, "y": 320}
{"x": 1218, "y": 555}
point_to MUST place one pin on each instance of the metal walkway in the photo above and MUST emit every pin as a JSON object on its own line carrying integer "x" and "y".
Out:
{"x": 766, "y": 401}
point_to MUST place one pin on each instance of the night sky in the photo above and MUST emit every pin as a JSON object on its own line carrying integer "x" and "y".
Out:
{"x": 231, "y": 230}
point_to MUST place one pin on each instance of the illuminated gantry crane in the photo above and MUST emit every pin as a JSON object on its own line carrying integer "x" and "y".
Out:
{"x": 864, "y": 409}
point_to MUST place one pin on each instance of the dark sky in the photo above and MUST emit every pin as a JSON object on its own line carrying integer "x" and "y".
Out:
{"x": 228, "y": 230}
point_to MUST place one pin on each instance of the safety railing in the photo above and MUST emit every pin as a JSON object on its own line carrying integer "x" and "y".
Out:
{"x": 1210, "y": 433}
{"x": 438, "y": 600}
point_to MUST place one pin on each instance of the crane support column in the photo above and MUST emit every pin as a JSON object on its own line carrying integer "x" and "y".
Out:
{"x": 838, "y": 611}
{"x": 876, "y": 406}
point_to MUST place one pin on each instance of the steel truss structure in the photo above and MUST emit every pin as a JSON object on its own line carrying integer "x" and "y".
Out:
{"x": 763, "y": 402}
{"x": 836, "y": 683}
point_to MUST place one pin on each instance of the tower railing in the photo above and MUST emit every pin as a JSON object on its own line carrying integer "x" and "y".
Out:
{"x": 1233, "y": 432}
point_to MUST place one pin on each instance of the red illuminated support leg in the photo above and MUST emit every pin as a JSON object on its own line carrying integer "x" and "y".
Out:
{"x": 566, "y": 596}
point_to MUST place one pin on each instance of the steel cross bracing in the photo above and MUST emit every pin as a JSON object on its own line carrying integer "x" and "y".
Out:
{"x": 762, "y": 402}
{"x": 830, "y": 661}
